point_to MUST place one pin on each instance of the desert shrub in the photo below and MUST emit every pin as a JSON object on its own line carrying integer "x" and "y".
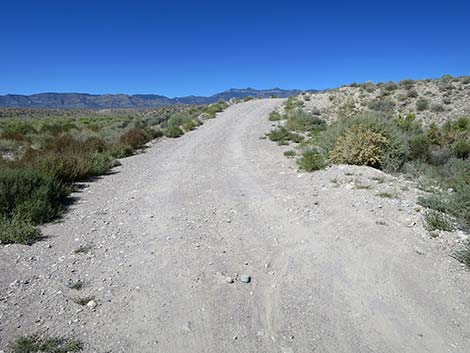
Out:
{"x": 369, "y": 86}
{"x": 67, "y": 167}
{"x": 453, "y": 181}
{"x": 390, "y": 86}
{"x": 302, "y": 121}
{"x": 189, "y": 125}
{"x": 436, "y": 107}
{"x": 177, "y": 120}
{"x": 173, "y": 132}
{"x": 283, "y": 135}
{"x": 155, "y": 133}
{"x": 248, "y": 98}
{"x": 16, "y": 230}
{"x": 420, "y": 147}
{"x": 30, "y": 195}
{"x": 56, "y": 128}
{"x": 19, "y": 127}
{"x": 439, "y": 156}
{"x": 121, "y": 151}
{"x": 381, "y": 105}
{"x": 9, "y": 145}
{"x": 135, "y": 138}
{"x": 311, "y": 160}
{"x": 315, "y": 111}
{"x": 461, "y": 149}
{"x": 436, "y": 220}
{"x": 465, "y": 79}
{"x": 95, "y": 144}
{"x": 278, "y": 134}
{"x": 434, "y": 134}
{"x": 408, "y": 124}
{"x": 422, "y": 104}
{"x": 406, "y": 84}
{"x": 359, "y": 145}
{"x": 100, "y": 163}
{"x": 412, "y": 93}
{"x": 290, "y": 153}
{"x": 400, "y": 97}
{"x": 461, "y": 124}
{"x": 37, "y": 344}
{"x": 376, "y": 133}
{"x": 275, "y": 116}
{"x": 463, "y": 254}
{"x": 292, "y": 104}
{"x": 447, "y": 100}
{"x": 14, "y": 136}
{"x": 295, "y": 137}
{"x": 212, "y": 109}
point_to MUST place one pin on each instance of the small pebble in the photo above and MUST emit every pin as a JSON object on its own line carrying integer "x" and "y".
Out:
{"x": 245, "y": 279}
{"x": 91, "y": 304}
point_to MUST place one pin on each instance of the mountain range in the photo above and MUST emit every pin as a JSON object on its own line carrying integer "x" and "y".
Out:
{"x": 100, "y": 101}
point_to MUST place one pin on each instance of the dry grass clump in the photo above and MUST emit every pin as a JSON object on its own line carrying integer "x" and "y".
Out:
{"x": 361, "y": 146}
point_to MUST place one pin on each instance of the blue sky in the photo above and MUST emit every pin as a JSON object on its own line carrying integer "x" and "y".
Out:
{"x": 178, "y": 48}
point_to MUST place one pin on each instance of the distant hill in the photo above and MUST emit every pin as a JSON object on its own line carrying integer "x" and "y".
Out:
{"x": 100, "y": 101}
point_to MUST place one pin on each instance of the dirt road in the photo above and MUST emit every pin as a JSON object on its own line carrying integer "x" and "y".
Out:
{"x": 333, "y": 269}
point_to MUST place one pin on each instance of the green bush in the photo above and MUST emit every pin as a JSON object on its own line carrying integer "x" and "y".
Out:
{"x": 436, "y": 220}
{"x": 292, "y": 104}
{"x": 121, "y": 151}
{"x": 15, "y": 230}
{"x": 406, "y": 84}
{"x": 30, "y": 195}
{"x": 290, "y": 153}
{"x": 422, "y": 104}
{"x": 438, "y": 108}
{"x": 311, "y": 160}
{"x": 408, "y": 124}
{"x": 212, "y": 109}
{"x": 155, "y": 133}
{"x": 68, "y": 166}
{"x": 135, "y": 138}
{"x": 274, "y": 116}
{"x": 300, "y": 120}
{"x": 453, "y": 179}
{"x": 390, "y": 86}
{"x": 283, "y": 135}
{"x": 360, "y": 145}
{"x": 189, "y": 125}
{"x": 368, "y": 86}
{"x": 173, "y": 132}
{"x": 381, "y": 105}
{"x": 36, "y": 344}
{"x": 463, "y": 254}
{"x": 412, "y": 93}
{"x": 279, "y": 134}
{"x": 461, "y": 149}
{"x": 420, "y": 148}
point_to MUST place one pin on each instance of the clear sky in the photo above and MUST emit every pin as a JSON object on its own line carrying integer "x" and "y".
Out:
{"x": 178, "y": 48}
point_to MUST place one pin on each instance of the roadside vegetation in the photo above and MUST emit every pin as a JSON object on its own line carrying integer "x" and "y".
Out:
{"x": 37, "y": 344}
{"x": 44, "y": 153}
{"x": 435, "y": 155}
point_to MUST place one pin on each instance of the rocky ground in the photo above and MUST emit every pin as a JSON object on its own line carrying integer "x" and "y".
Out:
{"x": 447, "y": 98}
{"x": 215, "y": 242}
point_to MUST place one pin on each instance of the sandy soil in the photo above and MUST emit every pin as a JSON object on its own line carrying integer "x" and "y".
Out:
{"x": 333, "y": 267}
